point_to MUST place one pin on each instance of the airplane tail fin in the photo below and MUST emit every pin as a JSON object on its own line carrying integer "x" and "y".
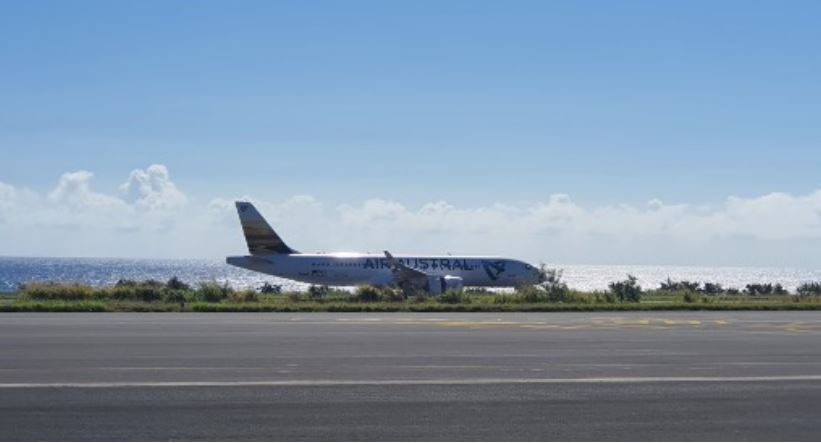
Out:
{"x": 261, "y": 239}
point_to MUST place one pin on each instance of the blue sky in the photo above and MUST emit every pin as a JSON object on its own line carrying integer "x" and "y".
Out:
{"x": 474, "y": 103}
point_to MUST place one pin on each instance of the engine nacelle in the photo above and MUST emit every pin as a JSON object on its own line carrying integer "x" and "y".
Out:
{"x": 438, "y": 285}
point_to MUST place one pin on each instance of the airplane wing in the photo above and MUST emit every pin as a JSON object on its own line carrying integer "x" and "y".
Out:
{"x": 404, "y": 276}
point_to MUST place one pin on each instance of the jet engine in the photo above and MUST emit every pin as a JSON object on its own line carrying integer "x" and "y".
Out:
{"x": 438, "y": 285}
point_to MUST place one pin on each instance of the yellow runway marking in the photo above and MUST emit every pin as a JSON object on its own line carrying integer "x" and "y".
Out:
{"x": 594, "y": 323}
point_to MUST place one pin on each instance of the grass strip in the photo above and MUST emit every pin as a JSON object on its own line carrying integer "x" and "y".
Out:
{"x": 97, "y": 306}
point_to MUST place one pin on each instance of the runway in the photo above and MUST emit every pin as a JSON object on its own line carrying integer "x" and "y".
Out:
{"x": 600, "y": 376}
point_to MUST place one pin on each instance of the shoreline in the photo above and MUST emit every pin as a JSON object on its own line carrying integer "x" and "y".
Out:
{"x": 100, "y": 272}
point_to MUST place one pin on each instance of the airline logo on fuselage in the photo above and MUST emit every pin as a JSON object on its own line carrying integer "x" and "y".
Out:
{"x": 423, "y": 264}
{"x": 493, "y": 268}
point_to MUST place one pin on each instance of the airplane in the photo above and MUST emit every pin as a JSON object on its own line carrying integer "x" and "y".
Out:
{"x": 433, "y": 274}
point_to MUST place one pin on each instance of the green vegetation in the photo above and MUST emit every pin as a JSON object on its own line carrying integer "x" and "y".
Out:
{"x": 809, "y": 289}
{"x": 551, "y": 295}
{"x": 626, "y": 290}
{"x": 372, "y": 294}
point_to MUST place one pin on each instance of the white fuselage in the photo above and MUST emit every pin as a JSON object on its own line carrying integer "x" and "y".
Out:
{"x": 345, "y": 269}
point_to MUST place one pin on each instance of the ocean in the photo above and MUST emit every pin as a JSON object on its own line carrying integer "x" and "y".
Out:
{"x": 106, "y": 271}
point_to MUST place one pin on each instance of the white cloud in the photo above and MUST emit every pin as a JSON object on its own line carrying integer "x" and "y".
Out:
{"x": 75, "y": 219}
{"x": 7, "y": 195}
{"x": 74, "y": 191}
{"x": 775, "y": 216}
{"x": 8, "y": 198}
{"x": 155, "y": 218}
{"x": 152, "y": 189}
{"x": 560, "y": 229}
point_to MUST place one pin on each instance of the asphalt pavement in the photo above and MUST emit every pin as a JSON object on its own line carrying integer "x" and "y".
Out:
{"x": 490, "y": 376}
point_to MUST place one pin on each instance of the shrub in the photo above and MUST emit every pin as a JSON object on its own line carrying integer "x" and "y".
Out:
{"x": 758, "y": 288}
{"x": 316, "y": 292}
{"x": 503, "y": 299}
{"x": 213, "y": 292}
{"x": 367, "y": 294}
{"x": 125, "y": 283}
{"x": 420, "y": 297}
{"x": 148, "y": 293}
{"x": 268, "y": 288}
{"x": 176, "y": 284}
{"x": 579, "y": 297}
{"x": 531, "y": 294}
{"x": 694, "y": 297}
{"x": 606, "y": 297}
{"x": 551, "y": 290}
{"x": 765, "y": 289}
{"x": 809, "y": 288}
{"x": 120, "y": 292}
{"x": 683, "y": 285}
{"x": 712, "y": 288}
{"x": 245, "y": 296}
{"x": 174, "y": 296}
{"x": 555, "y": 290}
{"x": 370, "y": 294}
{"x": 58, "y": 291}
{"x": 689, "y": 297}
{"x": 393, "y": 295}
{"x": 151, "y": 283}
{"x": 626, "y": 290}
{"x": 453, "y": 296}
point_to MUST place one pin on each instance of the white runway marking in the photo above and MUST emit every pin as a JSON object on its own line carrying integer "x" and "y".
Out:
{"x": 480, "y": 381}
